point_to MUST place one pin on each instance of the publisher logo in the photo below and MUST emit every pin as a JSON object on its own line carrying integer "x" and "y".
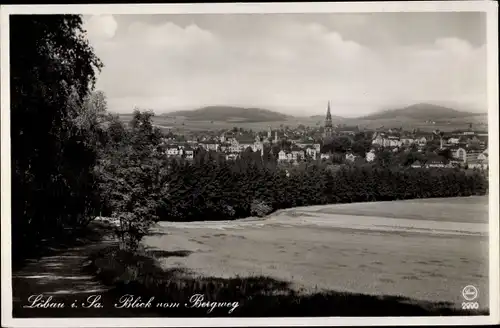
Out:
{"x": 469, "y": 293}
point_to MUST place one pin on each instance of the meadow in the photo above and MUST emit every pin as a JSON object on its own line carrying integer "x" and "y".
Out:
{"x": 426, "y": 250}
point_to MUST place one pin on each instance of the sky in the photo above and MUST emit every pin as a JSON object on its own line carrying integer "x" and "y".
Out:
{"x": 291, "y": 63}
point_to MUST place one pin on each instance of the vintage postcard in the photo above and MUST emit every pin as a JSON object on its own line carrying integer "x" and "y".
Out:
{"x": 280, "y": 164}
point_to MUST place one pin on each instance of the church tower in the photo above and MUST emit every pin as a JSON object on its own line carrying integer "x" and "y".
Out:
{"x": 328, "y": 122}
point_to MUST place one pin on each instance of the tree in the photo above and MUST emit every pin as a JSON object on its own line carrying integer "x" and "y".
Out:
{"x": 411, "y": 157}
{"x": 446, "y": 153}
{"x": 133, "y": 179}
{"x": 337, "y": 144}
{"x": 361, "y": 146}
{"x": 53, "y": 70}
{"x": 384, "y": 158}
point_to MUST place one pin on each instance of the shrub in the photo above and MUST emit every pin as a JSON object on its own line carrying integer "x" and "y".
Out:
{"x": 260, "y": 208}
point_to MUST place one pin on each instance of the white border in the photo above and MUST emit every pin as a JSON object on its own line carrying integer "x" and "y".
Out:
{"x": 489, "y": 7}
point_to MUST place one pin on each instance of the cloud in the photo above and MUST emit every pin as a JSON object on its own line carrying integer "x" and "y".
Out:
{"x": 294, "y": 67}
{"x": 169, "y": 35}
{"x": 101, "y": 27}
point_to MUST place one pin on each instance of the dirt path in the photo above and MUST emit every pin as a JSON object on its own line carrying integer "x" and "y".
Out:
{"x": 61, "y": 277}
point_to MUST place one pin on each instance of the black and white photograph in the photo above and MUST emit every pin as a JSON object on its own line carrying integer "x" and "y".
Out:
{"x": 250, "y": 164}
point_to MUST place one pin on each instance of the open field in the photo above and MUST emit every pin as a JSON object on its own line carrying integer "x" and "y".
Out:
{"x": 181, "y": 125}
{"x": 427, "y": 249}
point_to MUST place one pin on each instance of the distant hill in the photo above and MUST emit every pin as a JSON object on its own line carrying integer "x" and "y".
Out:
{"x": 229, "y": 114}
{"x": 420, "y": 112}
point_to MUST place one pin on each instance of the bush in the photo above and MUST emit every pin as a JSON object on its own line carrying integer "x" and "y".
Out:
{"x": 260, "y": 208}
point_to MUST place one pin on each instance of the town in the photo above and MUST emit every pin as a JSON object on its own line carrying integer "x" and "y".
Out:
{"x": 340, "y": 144}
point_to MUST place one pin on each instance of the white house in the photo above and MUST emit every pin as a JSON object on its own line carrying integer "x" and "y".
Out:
{"x": 378, "y": 140}
{"x": 482, "y": 157}
{"x": 391, "y": 141}
{"x": 370, "y": 156}
{"x": 188, "y": 153}
{"x": 478, "y": 164}
{"x": 311, "y": 152}
{"x": 210, "y": 145}
{"x": 350, "y": 157}
{"x": 435, "y": 163}
{"x": 460, "y": 154}
{"x": 325, "y": 156}
{"x": 297, "y": 154}
{"x": 173, "y": 151}
{"x": 407, "y": 141}
{"x": 416, "y": 165}
{"x": 473, "y": 155}
{"x": 422, "y": 141}
{"x": 258, "y": 145}
{"x": 282, "y": 156}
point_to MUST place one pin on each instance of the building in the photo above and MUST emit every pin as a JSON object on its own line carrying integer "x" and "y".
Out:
{"x": 311, "y": 152}
{"x": 460, "y": 154}
{"x": 294, "y": 154}
{"x": 258, "y": 145}
{"x": 483, "y": 156}
{"x": 422, "y": 141}
{"x": 328, "y": 123}
{"x": 370, "y": 156}
{"x": 350, "y": 157}
{"x": 407, "y": 141}
{"x": 469, "y": 155}
{"x": 416, "y": 165}
{"x": 297, "y": 153}
{"x": 435, "y": 163}
{"x": 173, "y": 151}
{"x": 325, "y": 156}
{"x": 478, "y": 164}
{"x": 282, "y": 156}
{"x": 188, "y": 153}
{"x": 377, "y": 139}
{"x": 473, "y": 155}
{"x": 381, "y": 139}
{"x": 210, "y": 145}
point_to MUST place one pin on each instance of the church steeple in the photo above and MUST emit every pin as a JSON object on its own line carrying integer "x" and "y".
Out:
{"x": 328, "y": 122}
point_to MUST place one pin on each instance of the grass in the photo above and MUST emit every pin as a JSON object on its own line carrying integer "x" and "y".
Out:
{"x": 346, "y": 251}
{"x": 140, "y": 274}
{"x": 455, "y": 209}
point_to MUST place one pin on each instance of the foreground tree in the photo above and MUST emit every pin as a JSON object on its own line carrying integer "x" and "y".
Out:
{"x": 53, "y": 154}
